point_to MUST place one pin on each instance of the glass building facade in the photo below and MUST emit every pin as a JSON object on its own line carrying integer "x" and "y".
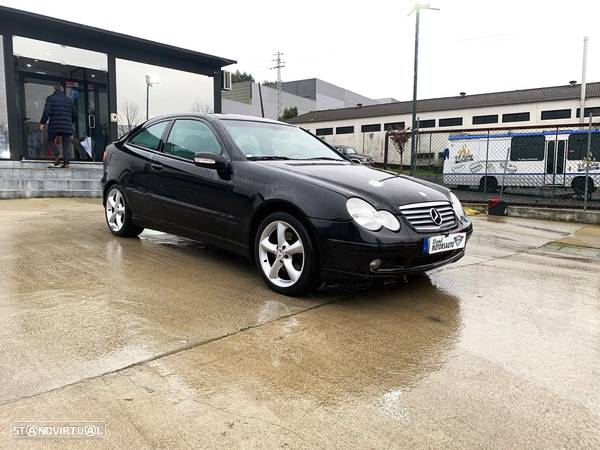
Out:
{"x": 114, "y": 81}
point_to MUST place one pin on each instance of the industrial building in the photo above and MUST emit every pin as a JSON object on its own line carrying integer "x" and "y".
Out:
{"x": 251, "y": 98}
{"x": 364, "y": 127}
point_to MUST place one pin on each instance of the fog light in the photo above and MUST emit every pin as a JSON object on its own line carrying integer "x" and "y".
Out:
{"x": 375, "y": 264}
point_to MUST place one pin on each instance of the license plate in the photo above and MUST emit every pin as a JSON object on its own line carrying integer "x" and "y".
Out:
{"x": 437, "y": 244}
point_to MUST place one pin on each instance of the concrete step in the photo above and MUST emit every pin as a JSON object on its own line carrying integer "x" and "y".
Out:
{"x": 20, "y": 193}
{"x": 49, "y": 184}
{"x": 44, "y": 164}
{"x": 51, "y": 174}
{"x": 24, "y": 179}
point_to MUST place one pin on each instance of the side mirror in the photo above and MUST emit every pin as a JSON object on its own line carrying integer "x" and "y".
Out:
{"x": 210, "y": 161}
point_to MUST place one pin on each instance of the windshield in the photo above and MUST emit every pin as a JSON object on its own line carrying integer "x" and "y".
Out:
{"x": 350, "y": 150}
{"x": 263, "y": 140}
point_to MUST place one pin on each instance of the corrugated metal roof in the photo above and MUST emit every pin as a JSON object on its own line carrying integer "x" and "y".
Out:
{"x": 565, "y": 92}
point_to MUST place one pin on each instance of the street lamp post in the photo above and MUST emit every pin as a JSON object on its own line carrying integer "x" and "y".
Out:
{"x": 413, "y": 135}
{"x": 150, "y": 82}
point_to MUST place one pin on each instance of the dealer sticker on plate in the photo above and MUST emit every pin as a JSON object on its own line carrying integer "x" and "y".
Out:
{"x": 436, "y": 244}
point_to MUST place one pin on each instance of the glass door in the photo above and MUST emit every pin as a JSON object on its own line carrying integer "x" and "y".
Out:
{"x": 555, "y": 162}
{"x": 91, "y": 127}
{"x": 35, "y": 93}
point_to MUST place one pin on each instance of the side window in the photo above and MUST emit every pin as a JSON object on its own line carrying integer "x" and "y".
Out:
{"x": 150, "y": 137}
{"x": 578, "y": 147}
{"x": 527, "y": 148}
{"x": 188, "y": 137}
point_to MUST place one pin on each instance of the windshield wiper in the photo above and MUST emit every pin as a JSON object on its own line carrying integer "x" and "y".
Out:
{"x": 268, "y": 158}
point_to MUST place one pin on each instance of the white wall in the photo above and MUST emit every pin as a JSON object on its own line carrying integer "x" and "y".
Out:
{"x": 372, "y": 144}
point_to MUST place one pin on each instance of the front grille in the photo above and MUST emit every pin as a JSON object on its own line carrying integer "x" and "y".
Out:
{"x": 420, "y": 217}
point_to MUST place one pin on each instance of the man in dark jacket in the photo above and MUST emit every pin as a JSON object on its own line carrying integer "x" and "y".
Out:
{"x": 61, "y": 111}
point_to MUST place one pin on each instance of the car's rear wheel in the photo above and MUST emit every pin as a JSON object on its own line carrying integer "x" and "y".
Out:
{"x": 285, "y": 254}
{"x": 118, "y": 214}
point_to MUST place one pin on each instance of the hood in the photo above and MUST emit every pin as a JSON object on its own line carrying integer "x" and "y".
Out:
{"x": 382, "y": 189}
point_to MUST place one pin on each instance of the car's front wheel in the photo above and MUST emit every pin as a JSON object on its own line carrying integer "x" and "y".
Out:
{"x": 118, "y": 214}
{"x": 285, "y": 254}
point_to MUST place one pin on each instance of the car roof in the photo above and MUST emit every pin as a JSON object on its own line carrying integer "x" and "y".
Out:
{"x": 220, "y": 117}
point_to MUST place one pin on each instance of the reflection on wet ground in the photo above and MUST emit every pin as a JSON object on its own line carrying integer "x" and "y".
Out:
{"x": 175, "y": 345}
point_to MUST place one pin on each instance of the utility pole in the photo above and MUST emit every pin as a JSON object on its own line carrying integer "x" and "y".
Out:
{"x": 413, "y": 139}
{"x": 279, "y": 64}
{"x": 583, "y": 83}
{"x": 150, "y": 82}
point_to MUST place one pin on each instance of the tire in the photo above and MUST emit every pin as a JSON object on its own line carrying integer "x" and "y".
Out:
{"x": 578, "y": 186}
{"x": 287, "y": 267}
{"x": 118, "y": 214}
{"x": 491, "y": 186}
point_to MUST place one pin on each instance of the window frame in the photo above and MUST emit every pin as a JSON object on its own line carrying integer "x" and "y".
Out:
{"x": 144, "y": 127}
{"x": 224, "y": 152}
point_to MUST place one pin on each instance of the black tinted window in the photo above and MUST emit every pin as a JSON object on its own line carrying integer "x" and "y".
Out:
{"x": 450, "y": 122}
{"x": 150, "y": 137}
{"x": 393, "y": 126}
{"x": 188, "y": 137}
{"x": 527, "y": 148}
{"x": 489, "y": 118}
{"x": 370, "y": 128}
{"x": 428, "y": 123}
{"x": 344, "y": 130}
{"x": 324, "y": 131}
{"x": 515, "y": 117}
{"x": 578, "y": 147}
{"x": 552, "y": 114}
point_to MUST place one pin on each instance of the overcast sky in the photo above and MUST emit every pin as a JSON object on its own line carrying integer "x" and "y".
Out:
{"x": 367, "y": 46}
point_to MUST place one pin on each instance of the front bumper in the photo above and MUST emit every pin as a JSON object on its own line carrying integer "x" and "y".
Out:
{"x": 346, "y": 250}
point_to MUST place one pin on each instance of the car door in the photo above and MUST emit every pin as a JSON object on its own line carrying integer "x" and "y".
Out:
{"x": 191, "y": 197}
{"x": 137, "y": 177}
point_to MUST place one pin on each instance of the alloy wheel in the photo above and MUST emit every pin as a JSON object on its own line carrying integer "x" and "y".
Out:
{"x": 281, "y": 253}
{"x": 115, "y": 210}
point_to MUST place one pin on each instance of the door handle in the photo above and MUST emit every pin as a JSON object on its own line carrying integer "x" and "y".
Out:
{"x": 156, "y": 166}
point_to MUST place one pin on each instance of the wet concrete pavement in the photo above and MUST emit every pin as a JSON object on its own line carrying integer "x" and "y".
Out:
{"x": 177, "y": 346}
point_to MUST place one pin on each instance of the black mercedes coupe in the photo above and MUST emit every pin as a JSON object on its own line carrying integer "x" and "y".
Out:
{"x": 280, "y": 196}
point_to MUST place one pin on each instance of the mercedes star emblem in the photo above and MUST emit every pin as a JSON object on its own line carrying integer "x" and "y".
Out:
{"x": 435, "y": 216}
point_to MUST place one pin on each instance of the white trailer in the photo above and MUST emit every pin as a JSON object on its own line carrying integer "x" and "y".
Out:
{"x": 523, "y": 159}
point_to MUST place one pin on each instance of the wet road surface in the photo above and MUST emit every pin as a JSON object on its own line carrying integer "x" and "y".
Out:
{"x": 173, "y": 345}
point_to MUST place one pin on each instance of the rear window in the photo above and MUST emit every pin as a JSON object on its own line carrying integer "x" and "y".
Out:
{"x": 150, "y": 137}
{"x": 527, "y": 148}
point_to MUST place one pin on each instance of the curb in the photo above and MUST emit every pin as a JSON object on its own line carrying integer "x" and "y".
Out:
{"x": 561, "y": 215}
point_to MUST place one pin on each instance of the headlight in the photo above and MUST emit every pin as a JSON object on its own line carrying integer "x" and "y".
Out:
{"x": 458, "y": 209}
{"x": 368, "y": 217}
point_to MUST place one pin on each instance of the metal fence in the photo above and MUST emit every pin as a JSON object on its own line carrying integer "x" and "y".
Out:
{"x": 556, "y": 166}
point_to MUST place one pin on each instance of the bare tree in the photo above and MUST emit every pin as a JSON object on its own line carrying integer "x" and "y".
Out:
{"x": 399, "y": 138}
{"x": 129, "y": 117}
{"x": 201, "y": 107}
